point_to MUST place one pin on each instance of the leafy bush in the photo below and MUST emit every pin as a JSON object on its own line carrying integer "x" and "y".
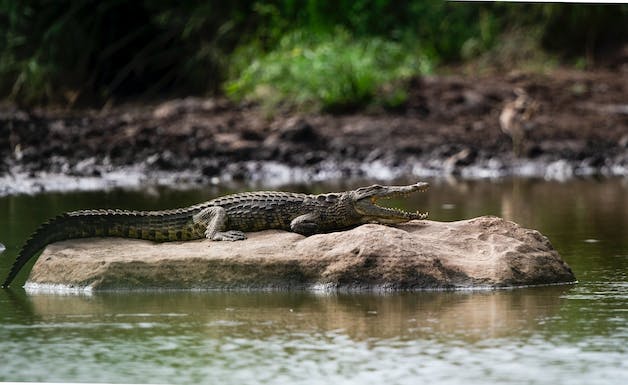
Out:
{"x": 332, "y": 72}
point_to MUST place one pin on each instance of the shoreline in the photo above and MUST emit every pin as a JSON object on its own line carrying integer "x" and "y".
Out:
{"x": 561, "y": 125}
{"x": 276, "y": 175}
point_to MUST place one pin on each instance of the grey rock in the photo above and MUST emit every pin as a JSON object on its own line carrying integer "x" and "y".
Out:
{"x": 484, "y": 252}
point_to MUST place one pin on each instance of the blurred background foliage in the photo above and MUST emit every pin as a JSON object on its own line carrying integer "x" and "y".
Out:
{"x": 330, "y": 55}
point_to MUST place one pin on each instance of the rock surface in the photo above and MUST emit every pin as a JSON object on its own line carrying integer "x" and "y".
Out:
{"x": 484, "y": 252}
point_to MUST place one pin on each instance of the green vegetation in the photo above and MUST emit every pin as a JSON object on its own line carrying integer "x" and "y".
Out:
{"x": 307, "y": 53}
{"x": 333, "y": 73}
{"x": 92, "y": 51}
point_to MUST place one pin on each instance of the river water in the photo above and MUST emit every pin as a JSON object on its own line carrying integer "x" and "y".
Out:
{"x": 573, "y": 334}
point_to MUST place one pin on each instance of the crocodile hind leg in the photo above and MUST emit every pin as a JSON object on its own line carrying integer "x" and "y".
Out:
{"x": 214, "y": 220}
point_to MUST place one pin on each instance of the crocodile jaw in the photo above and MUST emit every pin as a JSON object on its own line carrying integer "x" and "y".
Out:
{"x": 366, "y": 198}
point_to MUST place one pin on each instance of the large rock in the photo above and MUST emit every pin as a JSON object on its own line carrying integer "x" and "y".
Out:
{"x": 484, "y": 252}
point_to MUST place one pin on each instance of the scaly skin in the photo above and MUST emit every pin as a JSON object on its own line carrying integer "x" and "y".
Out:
{"x": 226, "y": 218}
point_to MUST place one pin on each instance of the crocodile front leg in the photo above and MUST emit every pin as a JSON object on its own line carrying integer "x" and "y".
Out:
{"x": 214, "y": 220}
{"x": 306, "y": 224}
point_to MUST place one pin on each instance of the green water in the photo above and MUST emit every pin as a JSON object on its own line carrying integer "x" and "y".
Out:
{"x": 575, "y": 334}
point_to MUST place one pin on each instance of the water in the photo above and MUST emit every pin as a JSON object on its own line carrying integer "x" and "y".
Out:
{"x": 575, "y": 334}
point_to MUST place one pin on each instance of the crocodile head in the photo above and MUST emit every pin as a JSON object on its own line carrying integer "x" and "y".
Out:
{"x": 365, "y": 203}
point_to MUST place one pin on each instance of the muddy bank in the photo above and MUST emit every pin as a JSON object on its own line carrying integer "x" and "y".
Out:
{"x": 557, "y": 126}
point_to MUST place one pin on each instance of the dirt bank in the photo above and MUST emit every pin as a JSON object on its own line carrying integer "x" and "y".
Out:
{"x": 565, "y": 123}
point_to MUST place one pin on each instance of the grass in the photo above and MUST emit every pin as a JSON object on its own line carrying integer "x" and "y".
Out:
{"x": 332, "y": 72}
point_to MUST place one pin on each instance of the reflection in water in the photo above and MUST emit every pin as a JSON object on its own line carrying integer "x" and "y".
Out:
{"x": 446, "y": 337}
{"x": 470, "y": 316}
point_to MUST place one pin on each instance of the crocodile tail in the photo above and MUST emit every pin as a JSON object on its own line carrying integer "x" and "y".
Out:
{"x": 52, "y": 231}
{"x": 161, "y": 226}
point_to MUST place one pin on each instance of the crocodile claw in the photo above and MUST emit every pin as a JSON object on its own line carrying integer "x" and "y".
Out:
{"x": 231, "y": 235}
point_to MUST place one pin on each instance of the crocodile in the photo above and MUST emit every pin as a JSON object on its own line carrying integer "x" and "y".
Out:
{"x": 227, "y": 218}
